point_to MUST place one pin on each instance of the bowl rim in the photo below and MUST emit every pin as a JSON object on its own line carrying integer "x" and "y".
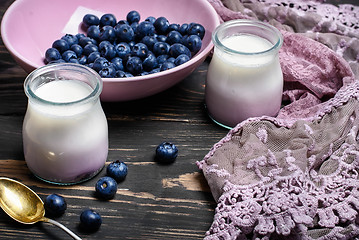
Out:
{"x": 201, "y": 54}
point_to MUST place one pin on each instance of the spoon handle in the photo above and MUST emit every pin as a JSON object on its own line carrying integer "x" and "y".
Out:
{"x": 68, "y": 231}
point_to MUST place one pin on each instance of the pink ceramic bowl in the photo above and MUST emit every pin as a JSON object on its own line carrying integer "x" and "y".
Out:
{"x": 29, "y": 27}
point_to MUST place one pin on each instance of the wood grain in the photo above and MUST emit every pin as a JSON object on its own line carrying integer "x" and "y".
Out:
{"x": 155, "y": 201}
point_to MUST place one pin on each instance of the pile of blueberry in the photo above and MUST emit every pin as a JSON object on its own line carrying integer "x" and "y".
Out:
{"x": 128, "y": 47}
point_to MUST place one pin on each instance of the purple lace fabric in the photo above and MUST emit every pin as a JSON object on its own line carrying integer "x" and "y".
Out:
{"x": 295, "y": 176}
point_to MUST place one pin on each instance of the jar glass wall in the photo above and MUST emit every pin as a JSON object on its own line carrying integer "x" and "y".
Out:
{"x": 244, "y": 77}
{"x": 65, "y": 133}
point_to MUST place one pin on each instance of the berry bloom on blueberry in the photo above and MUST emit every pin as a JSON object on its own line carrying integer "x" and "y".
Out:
{"x": 166, "y": 152}
{"x": 55, "y": 205}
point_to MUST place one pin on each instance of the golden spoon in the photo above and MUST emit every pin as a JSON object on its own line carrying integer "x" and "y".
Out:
{"x": 24, "y": 205}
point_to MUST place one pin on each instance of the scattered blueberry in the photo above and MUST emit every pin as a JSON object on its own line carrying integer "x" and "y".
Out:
{"x": 106, "y": 188}
{"x": 90, "y": 220}
{"x": 117, "y": 170}
{"x": 55, "y": 205}
{"x": 166, "y": 152}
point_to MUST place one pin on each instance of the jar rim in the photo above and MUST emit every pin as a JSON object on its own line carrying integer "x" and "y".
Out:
{"x": 244, "y": 22}
{"x": 94, "y": 94}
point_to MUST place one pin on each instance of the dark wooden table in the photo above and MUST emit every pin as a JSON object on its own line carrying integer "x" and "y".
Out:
{"x": 155, "y": 201}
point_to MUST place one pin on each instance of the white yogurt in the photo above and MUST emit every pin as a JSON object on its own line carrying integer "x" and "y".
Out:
{"x": 65, "y": 144}
{"x": 246, "y": 84}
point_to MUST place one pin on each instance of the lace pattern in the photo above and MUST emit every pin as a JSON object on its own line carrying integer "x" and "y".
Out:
{"x": 289, "y": 199}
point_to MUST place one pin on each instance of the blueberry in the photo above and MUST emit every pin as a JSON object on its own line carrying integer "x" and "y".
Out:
{"x": 140, "y": 50}
{"x": 86, "y": 40}
{"x": 183, "y": 29}
{"x": 123, "y": 22}
{"x": 108, "y": 72}
{"x": 193, "y": 43}
{"x": 61, "y": 45}
{"x": 69, "y": 55}
{"x": 82, "y": 60}
{"x": 167, "y": 65}
{"x": 117, "y": 63}
{"x": 124, "y": 33}
{"x": 162, "y": 58}
{"x": 196, "y": 29}
{"x": 77, "y": 49}
{"x": 117, "y": 170}
{"x": 150, "y": 62}
{"x": 171, "y": 59}
{"x": 181, "y": 59}
{"x": 55, "y": 205}
{"x": 107, "y": 33}
{"x": 134, "y": 65}
{"x": 166, "y": 152}
{"x": 122, "y": 49}
{"x": 145, "y": 28}
{"x": 100, "y": 63}
{"x": 70, "y": 39}
{"x": 93, "y": 56}
{"x": 173, "y": 27}
{"x": 90, "y": 220}
{"x": 80, "y": 35}
{"x": 52, "y": 54}
{"x": 120, "y": 74}
{"x": 134, "y": 26}
{"x": 133, "y": 16}
{"x": 108, "y": 51}
{"x": 89, "y": 48}
{"x": 106, "y": 188}
{"x": 108, "y": 19}
{"x": 151, "y": 19}
{"x": 90, "y": 19}
{"x": 131, "y": 44}
{"x": 173, "y": 37}
{"x": 161, "y": 25}
{"x": 93, "y": 32}
{"x": 160, "y": 48}
{"x": 178, "y": 49}
{"x": 155, "y": 70}
{"x": 149, "y": 41}
{"x": 161, "y": 38}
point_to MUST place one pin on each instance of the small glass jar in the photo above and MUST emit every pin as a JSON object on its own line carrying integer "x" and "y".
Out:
{"x": 244, "y": 77}
{"x": 65, "y": 133}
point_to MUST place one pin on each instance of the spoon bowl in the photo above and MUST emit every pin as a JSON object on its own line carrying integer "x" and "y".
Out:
{"x": 24, "y": 205}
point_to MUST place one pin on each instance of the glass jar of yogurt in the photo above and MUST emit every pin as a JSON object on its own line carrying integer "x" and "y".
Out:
{"x": 65, "y": 133}
{"x": 244, "y": 77}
